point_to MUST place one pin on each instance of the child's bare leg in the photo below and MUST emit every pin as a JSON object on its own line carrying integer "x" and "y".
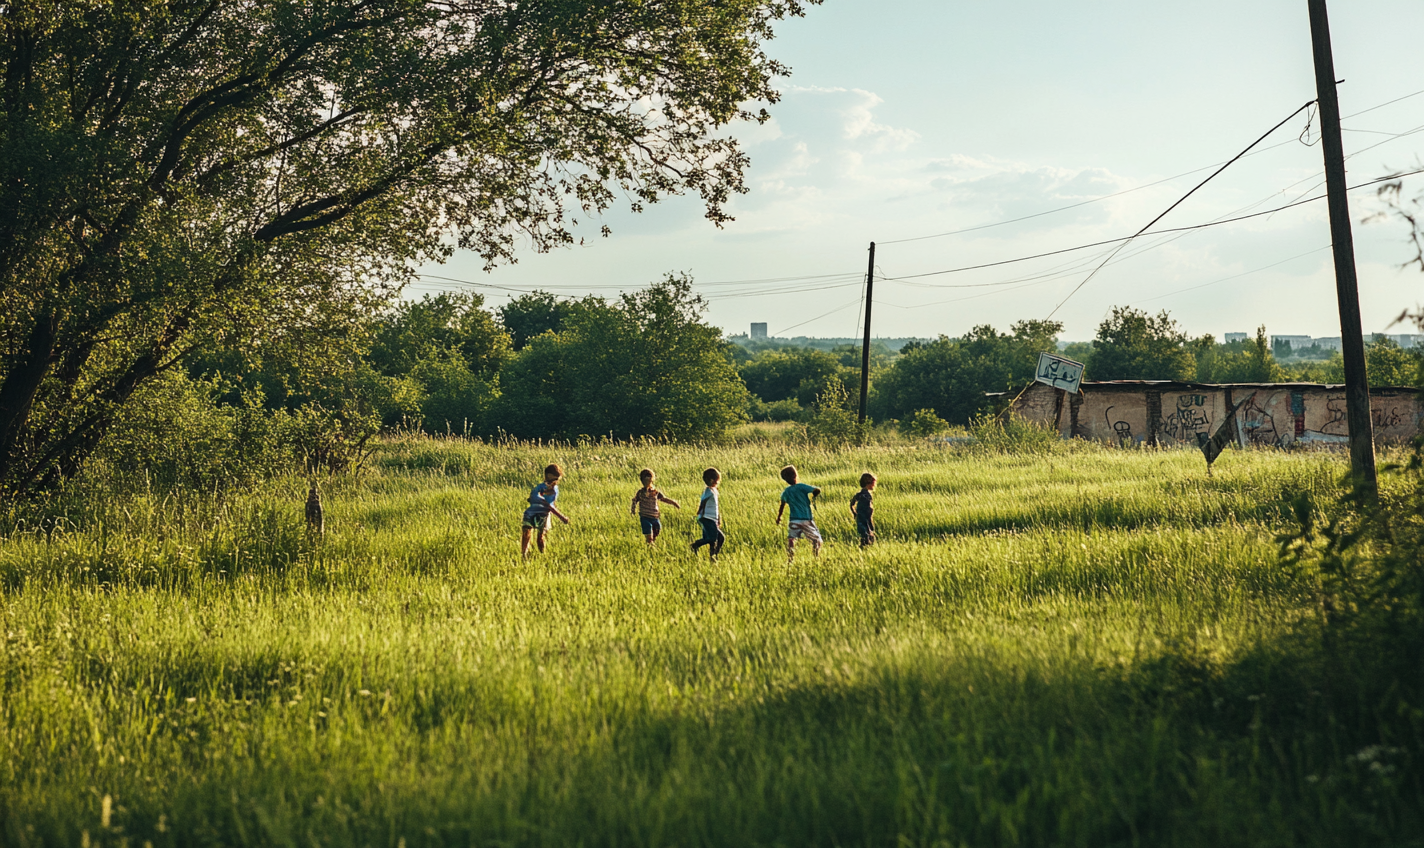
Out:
{"x": 790, "y": 549}
{"x": 816, "y": 547}
{"x": 541, "y": 540}
{"x": 650, "y": 537}
{"x": 524, "y": 543}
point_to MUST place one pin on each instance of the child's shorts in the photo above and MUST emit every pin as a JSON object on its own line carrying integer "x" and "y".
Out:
{"x": 537, "y": 522}
{"x": 803, "y": 530}
{"x": 867, "y": 534}
{"x": 651, "y": 526}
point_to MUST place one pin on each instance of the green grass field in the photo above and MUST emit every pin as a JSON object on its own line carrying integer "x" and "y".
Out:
{"x": 1090, "y": 648}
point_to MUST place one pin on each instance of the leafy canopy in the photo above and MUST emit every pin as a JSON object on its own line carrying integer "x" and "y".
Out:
{"x": 187, "y": 174}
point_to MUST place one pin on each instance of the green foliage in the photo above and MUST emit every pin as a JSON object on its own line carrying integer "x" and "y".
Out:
{"x": 645, "y": 366}
{"x": 923, "y": 423}
{"x": 1078, "y": 351}
{"x": 1010, "y": 433}
{"x": 834, "y": 421}
{"x": 797, "y": 374}
{"x": 182, "y": 176}
{"x": 448, "y": 327}
{"x": 536, "y": 313}
{"x": 175, "y": 438}
{"x": 1388, "y": 364}
{"x": 777, "y": 410}
{"x": 949, "y": 377}
{"x": 1133, "y": 345}
{"x": 1236, "y": 362}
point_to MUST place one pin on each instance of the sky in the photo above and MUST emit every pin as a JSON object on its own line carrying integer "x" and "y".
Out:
{"x": 904, "y": 119}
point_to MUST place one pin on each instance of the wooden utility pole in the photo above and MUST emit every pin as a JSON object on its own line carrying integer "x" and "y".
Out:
{"x": 865, "y": 345}
{"x": 1352, "y": 342}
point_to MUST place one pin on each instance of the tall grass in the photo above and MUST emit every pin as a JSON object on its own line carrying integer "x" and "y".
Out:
{"x": 1070, "y": 649}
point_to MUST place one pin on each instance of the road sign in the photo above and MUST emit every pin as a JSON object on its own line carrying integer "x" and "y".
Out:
{"x": 1058, "y": 372}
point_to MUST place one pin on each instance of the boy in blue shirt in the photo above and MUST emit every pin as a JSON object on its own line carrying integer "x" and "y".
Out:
{"x": 541, "y": 506}
{"x": 801, "y": 524}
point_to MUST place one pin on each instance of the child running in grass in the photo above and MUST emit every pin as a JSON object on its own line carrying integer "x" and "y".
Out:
{"x": 862, "y": 510}
{"x": 645, "y": 506}
{"x": 801, "y": 524}
{"x": 709, "y": 513}
{"x": 541, "y": 506}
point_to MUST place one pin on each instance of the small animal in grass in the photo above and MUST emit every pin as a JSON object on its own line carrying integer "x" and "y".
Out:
{"x": 316, "y": 517}
{"x": 541, "y": 506}
{"x": 801, "y": 524}
{"x": 863, "y": 511}
{"x": 709, "y": 515}
{"x": 645, "y": 505}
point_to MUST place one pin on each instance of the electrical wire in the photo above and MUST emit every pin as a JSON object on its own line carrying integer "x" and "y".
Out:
{"x": 1233, "y": 277}
{"x": 1124, "y": 239}
{"x": 1179, "y": 202}
{"x": 1137, "y": 188}
{"x": 781, "y": 333}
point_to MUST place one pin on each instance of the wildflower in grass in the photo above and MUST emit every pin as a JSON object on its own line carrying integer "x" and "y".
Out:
{"x": 646, "y": 506}
{"x": 541, "y": 506}
{"x": 801, "y": 524}
{"x": 709, "y": 514}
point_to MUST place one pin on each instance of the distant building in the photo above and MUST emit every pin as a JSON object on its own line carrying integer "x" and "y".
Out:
{"x": 1296, "y": 342}
{"x": 1328, "y": 343}
{"x": 758, "y": 331}
{"x": 1236, "y": 337}
{"x": 1407, "y": 339}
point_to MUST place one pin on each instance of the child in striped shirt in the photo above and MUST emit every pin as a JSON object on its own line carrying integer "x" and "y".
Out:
{"x": 645, "y": 506}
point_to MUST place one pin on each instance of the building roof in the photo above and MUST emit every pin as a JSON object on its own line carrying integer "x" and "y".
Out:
{"x": 1185, "y": 386}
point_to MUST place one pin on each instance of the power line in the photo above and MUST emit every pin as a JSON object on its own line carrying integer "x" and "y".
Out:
{"x": 1179, "y": 202}
{"x": 1123, "y": 239}
{"x": 1229, "y": 279}
{"x": 779, "y": 333}
{"x": 1072, "y": 206}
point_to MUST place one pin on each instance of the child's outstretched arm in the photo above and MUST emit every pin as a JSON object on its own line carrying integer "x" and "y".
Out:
{"x": 633, "y": 506}
{"x": 815, "y": 491}
{"x": 701, "y": 507}
{"x": 554, "y": 511}
{"x": 779, "y": 510}
{"x": 667, "y": 500}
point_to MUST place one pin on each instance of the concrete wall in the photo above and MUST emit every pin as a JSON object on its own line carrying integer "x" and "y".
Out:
{"x": 1178, "y": 414}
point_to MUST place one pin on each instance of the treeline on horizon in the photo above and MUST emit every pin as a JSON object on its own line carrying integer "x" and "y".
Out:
{"x": 644, "y": 365}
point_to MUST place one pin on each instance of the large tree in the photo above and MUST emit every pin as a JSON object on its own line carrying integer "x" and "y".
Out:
{"x": 951, "y": 376}
{"x": 179, "y": 172}
{"x": 645, "y": 365}
{"x": 1134, "y": 345}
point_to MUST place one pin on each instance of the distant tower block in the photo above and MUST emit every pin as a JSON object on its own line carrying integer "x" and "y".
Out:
{"x": 758, "y": 331}
{"x": 1235, "y": 337}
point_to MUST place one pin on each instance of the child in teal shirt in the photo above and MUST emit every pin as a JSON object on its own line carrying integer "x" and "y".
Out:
{"x": 801, "y": 524}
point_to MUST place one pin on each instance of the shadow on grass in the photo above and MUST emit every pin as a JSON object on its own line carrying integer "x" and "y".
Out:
{"x": 1298, "y": 742}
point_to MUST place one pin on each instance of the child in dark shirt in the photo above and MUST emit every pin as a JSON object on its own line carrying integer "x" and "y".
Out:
{"x": 863, "y": 511}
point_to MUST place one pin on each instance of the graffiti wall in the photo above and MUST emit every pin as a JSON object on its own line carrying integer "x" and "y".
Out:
{"x": 1184, "y": 414}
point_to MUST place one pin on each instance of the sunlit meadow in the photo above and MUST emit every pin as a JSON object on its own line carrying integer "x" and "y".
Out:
{"x": 1082, "y": 648}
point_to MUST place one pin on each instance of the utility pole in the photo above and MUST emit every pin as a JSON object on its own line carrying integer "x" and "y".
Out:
{"x": 1352, "y": 342}
{"x": 865, "y": 346}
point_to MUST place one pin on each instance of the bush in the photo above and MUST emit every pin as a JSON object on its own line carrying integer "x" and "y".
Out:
{"x": 833, "y": 423}
{"x": 777, "y": 410}
{"x": 1011, "y": 433}
{"x": 923, "y": 423}
{"x": 176, "y": 436}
